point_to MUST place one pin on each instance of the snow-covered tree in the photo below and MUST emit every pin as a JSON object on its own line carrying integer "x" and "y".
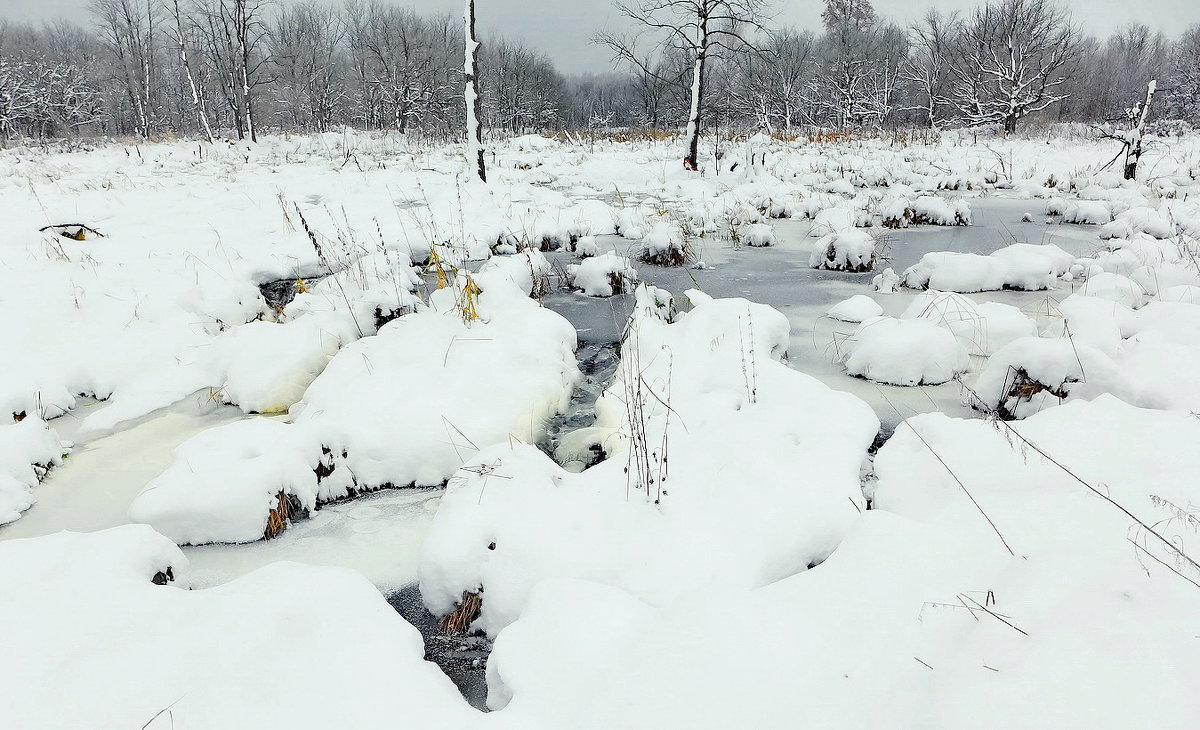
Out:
{"x": 702, "y": 29}
{"x": 1013, "y": 59}
{"x": 471, "y": 95}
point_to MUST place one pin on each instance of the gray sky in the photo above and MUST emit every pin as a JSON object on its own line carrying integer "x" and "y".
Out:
{"x": 561, "y": 28}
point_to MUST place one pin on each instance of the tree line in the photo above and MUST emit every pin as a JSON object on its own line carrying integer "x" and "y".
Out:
{"x": 242, "y": 67}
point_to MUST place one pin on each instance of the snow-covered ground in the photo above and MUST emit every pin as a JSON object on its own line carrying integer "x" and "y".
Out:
{"x": 858, "y": 435}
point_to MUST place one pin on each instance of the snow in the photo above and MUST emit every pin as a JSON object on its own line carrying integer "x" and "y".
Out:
{"x": 27, "y": 450}
{"x": 758, "y": 234}
{"x": 223, "y": 483}
{"x": 855, "y": 309}
{"x": 602, "y": 275}
{"x": 981, "y": 327}
{"x": 1114, "y": 288}
{"x": 905, "y": 352}
{"x": 708, "y": 385}
{"x": 847, "y": 249}
{"x": 1018, "y": 266}
{"x": 219, "y": 657}
{"x": 695, "y": 549}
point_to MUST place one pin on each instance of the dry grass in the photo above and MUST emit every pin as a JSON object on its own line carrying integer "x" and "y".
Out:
{"x": 458, "y": 622}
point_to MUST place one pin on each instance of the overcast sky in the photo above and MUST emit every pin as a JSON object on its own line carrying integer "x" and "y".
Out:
{"x": 561, "y": 28}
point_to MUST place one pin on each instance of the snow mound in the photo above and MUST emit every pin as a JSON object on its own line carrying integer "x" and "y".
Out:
{"x": 1031, "y": 374}
{"x": 28, "y": 449}
{"x": 708, "y": 384}
{"x": 1088, "y": 212}
{"x": 758, "y": 234}
{"x": 847, "y": 249}
{"x": 411, "y": 404}
{"x": 857, "y": 308}
{"x": 905, "y": 352}
{"x": 224, "y": 484}
{"x": 603, "y": 276}
{"x": 232, "y": 649}
{"x": 1019, "y": 266}
{"x": 1114, "y": 288}
{"x": 982, "y": 327}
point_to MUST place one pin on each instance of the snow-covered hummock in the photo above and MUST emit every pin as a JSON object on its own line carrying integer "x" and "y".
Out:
{"x": 407, "y": 406}
{"x": 832, "y": 220}
{"x": 1019, "y": 266}
{"x": 846, "y": 249}
{"x": 602, "y": 276}
{"x": 586, "y": 246}
{"x": 886, "y": 282}
{"x": 938, "y": 211}
{"x": 758, "y": 234}
{"x": 225, "y": 481}
{"x": 28, "y": 449}
{"x": 723, "y": 419}
{"x": 1114, "y": 288}
{"x": 905, "y": 352}
{"x": 220, "y": 657}
{"x": 884, "y": 616}
{"x": 982, "y": 327}
{"x": 1088, "y": 212}
{"x": 529, "y": 270}
{"x": 411, "y": 404}
{"x": 855, "y": 309}
{"x": 1031, "y": 374}
{"x": 664, "y": 242}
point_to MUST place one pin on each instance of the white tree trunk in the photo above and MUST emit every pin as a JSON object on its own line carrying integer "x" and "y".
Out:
{"x": 471, "y": 95}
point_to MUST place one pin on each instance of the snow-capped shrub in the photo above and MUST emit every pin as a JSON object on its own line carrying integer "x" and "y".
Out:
{"x": 1031, "y": 374}
{"x": 586, "y": 246}
{"x": 602, "y": 276}
{"x": 529, "y": 270}
{"x": 1088, "y": 212}
{"x": 28, "y": 449}
{"x": 758, "y": 234}
{"x": 847, "y": 249}
{"x": 905, "y": 352}
{"x": 887, "y": 282}
{"x": 664, "y": 246}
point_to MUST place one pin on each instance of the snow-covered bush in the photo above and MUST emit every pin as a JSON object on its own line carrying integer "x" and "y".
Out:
{"x": 664, "y": 246}
{"x": 982, "y": 327}
{"x": 1031, "y": 374}
{"x": 758, "y": 234}
{"x": 602, "y": 276}
{"x": 708, "y": 385}
{"x": 28, "y": 449}
{"x": 848, "y": 249}
{"x": 231, "y": 648}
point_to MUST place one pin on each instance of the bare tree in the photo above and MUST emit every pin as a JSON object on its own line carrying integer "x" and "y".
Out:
{"x": 181, "y": 45}
{"x": 305, "y": 45}
{"x": 1013, "y": 60}
{"x": 234, "y": 32}
{"x": 127, "y": 28}
{"x": 703, "y": 29}
{"x": 929, "y": 65}
{"x": 1183, "y": 92}
{"x": 471, "y": 95}
{"x": 771, "y": 87}
{"x": 861, "y": 64}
